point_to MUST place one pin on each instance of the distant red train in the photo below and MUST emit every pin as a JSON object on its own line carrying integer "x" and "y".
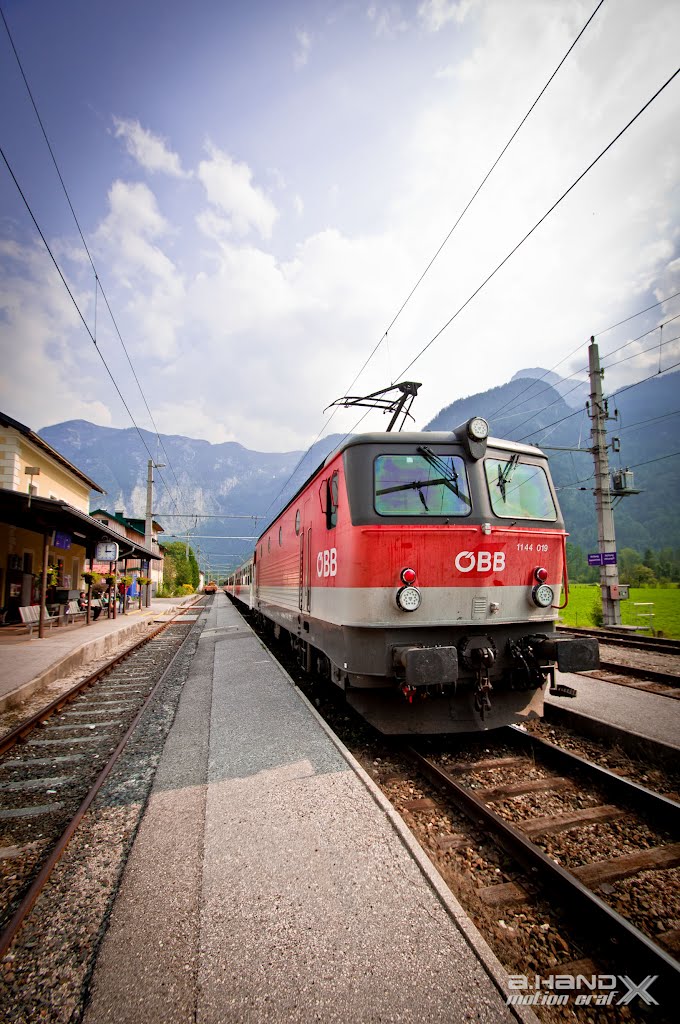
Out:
{"x": 422, "y": 573}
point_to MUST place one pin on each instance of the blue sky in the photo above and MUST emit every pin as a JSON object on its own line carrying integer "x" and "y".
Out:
{"x": 261, "y": 185}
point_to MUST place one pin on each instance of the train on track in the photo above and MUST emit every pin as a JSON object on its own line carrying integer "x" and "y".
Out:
{"x": 422, "y": 573}
{"x": 210, "y": 588}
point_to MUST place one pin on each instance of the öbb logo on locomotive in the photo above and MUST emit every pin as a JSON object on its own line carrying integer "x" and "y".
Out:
{"x": 422, "y": 573}
{"x": 482, "y": 561}
{"x": 327, "y": 562}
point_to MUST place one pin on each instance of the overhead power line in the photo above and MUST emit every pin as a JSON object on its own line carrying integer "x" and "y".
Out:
{"x": 578, "y": 412}
{"x": 472, "y": 198}
{"x": 584, "y": 369}
{"x": 433, "y": 258}
{"x": 539, "y": 222}
{"x": 98, "y": 284}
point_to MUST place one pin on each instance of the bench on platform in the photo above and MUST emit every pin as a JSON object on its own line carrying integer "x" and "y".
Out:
{"x": 30, "y": 616}
{"x": 73, "y": 612}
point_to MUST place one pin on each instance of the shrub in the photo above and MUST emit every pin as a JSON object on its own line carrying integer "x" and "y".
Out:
{"x": 596, "y": 614}
{"x": 186, "y": 588}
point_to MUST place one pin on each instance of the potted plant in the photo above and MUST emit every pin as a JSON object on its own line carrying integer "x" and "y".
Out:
{"x": 90, "y": 578}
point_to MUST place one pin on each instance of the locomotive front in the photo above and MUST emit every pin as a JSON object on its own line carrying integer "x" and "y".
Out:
{"x": 437, "y": 606}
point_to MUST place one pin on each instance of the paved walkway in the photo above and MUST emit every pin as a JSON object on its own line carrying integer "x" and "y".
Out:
{"x": 269, "y": 884}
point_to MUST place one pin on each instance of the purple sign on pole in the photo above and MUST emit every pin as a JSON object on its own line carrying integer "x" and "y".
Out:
{"x": 595, "y": 559}
{"x": 609, "y": 558}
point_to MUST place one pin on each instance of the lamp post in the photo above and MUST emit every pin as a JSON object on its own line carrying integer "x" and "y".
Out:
{"x": 148, "y": 524}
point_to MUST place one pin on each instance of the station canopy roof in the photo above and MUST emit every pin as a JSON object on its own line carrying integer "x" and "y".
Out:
{"x": 46, "y": 515}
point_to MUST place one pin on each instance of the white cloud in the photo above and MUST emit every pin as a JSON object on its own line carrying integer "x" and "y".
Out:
{"x": 269, "y": 327}
{"x": 50, "y": 368}
{"x": 387, "y": 19}
{"x": 149, "y": 150}
{"x": 130, "y": 239}
{"x": 229, "y": 187}
{"x": 132, "y": 226}
{"x": 304, "y": 46}
{"x": 435, "y": 14}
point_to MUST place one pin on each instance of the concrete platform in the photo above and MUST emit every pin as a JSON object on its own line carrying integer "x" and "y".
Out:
{"x": 271, "y": 881}
{"x": 27, "y": 663}
{"x": 649, "y": 714}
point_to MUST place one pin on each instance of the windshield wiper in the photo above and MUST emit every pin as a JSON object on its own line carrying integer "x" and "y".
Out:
{"x": 450, "y": 479}
{"x": 416, "y": 485}
{"x": 505, "y": 475}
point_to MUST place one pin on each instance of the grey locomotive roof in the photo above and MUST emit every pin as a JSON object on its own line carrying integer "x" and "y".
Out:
{"x": 428, "y": 437}
{"x": 402, "y": 438}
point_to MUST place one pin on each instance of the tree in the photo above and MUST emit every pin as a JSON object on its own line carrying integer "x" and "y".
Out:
{"x": 179, "y": 570}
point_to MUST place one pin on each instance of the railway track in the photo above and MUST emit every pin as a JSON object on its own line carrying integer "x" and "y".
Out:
{"x": 53, "y": 765}
{"x": 614, "y": 638}
{"x": 503, "y": 793}
{"x": 651, "y": 680}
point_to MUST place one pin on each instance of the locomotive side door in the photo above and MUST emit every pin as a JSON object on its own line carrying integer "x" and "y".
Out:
{"x": 308, "y": 571}
{"x": 305, "y": 567}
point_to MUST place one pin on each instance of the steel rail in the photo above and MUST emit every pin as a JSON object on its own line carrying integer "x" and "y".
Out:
{"x": 644, "y": 674}
{"x": 643, "y": 799}
{"x": 636, "y": 954}
{"x": 23, "y": 910}
{"x": 665, "y": 645}
{"x": 25, "y": 728}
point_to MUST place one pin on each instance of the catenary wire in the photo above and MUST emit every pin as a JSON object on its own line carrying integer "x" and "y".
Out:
{"x": 584, "y": 369}
{"x": 474, "y": 196}
{"x": 579, "y": 383}
{"x": 577, "y": 412}
{"x": 540, "y": 221}
{"x": 78, "y": 309}
{"x": 441, "y": 247}
{"x": 98, "y": 283}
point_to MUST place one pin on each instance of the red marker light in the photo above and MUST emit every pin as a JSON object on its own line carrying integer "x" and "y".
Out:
{"x": 541, "y": 575}
{"x": 408, "y": 576}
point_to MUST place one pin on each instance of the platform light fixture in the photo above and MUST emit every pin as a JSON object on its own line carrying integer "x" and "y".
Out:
{"x": 31, "y": 471}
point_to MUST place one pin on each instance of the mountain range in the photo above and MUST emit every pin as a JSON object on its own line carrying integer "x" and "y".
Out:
{"x": 220, "y": 480}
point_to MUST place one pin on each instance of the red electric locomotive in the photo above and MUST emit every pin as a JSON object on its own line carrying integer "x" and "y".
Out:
{"x": 422, "y": 573}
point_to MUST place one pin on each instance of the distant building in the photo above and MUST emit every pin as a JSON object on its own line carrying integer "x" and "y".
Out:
{"x": 44, "y": 521}
{"x": 133, "y": 530}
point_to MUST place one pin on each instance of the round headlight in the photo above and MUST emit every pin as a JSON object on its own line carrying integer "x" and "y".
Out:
{"x": 542, "y": 595}
{"x": 408, "y": 599}
{"x": 478, "y": 428}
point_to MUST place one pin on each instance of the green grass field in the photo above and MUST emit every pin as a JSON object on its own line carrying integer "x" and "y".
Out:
{"x": 666, "y": 607}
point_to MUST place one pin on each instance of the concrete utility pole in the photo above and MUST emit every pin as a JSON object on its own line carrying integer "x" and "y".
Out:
{"x": 609, "y": 573}
{"x": 148, "y": 523}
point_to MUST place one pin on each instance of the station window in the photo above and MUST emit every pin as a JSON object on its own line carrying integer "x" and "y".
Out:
{"x": 297, "y": 523}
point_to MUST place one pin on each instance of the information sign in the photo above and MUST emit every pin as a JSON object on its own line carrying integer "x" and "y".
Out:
{"x": 602, "y": 558}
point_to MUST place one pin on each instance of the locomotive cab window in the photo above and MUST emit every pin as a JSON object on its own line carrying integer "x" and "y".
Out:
{"x": 420, "y": 485}
{"x": 519, "y": 490}
{"x": 332, "y": 490}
